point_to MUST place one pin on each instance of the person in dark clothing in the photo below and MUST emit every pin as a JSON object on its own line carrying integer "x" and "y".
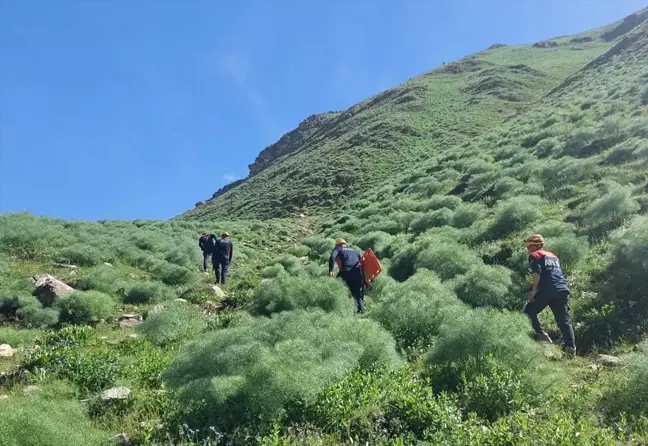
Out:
{"x": 549, "y": 289}
{"x": 222, "y": 256}
{"x": 348, "y": 262}
{"x": 206, "y": 243}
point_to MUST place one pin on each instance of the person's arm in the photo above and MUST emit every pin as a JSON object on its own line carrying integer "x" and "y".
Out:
{"x": 231, "y": 251}
{"x": 201, "y": 243}
{"x": 536, "y": 269}
{"x": 334, "y": 254}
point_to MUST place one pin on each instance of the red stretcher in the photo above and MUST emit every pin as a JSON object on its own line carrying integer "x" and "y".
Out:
{"x": 371, "y": 267}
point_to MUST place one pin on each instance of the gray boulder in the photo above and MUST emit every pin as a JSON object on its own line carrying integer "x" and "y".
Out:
{"x": 49, "y": 289}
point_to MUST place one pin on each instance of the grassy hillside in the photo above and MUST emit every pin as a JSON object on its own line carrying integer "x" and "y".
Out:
{"x": 351, "y": 152}
{"x": 443, "y": 355}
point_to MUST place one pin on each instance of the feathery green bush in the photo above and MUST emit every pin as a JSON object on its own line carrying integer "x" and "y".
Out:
{"x": 488, "y": 286}
{"x": 412, "y": 311}
{"x": 246, "y": 373}
{"x": 36, "y": 420}
{"x": 103, "y": 278}
{"x": 447, "y": 258}
{"x": 145, "y": 292}
{"x": 177, "y": 321}
{"x": 84, "y": 307}
{"x": 289, "y": 293}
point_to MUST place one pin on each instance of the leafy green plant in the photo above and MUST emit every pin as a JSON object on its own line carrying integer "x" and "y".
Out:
{"x": 80, "y": 255}
{"x": 447, "y": 258}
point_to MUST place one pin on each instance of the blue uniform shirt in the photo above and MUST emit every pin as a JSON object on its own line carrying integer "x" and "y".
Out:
{"x": 345, "y": 257}
{"x": 552, "y": 280}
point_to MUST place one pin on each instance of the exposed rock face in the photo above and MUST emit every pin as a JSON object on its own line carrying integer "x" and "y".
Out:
{"x": 495, "y": 46}
{"x": 130, "y": 320}
{"x": 291, "y": 141}
{"x": 628, "y": 24}
{"x": 582, "y": 39}
{"x": 546, "y": 44}
{"x": 49, "y": 289}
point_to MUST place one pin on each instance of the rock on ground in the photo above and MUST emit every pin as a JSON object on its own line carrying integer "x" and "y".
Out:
{"x": 115, "y": 393}
{"x": 130, "y": 320}
{"x": 609, "y": 360}
{"x": 49, "y": 289}
{"x": 6, "y": 351}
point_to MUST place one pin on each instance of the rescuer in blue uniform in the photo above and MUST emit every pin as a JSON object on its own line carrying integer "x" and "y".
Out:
{"x": 350, "y": 269}
{"x": 549, "y": 289}
{"x": 206, "y": 243}
{"x": 221, "y": 257}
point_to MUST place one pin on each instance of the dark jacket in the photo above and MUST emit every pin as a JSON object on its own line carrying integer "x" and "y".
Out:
{"x": 345, "y": 257}
{"x": 207, "y": 243}
{"x": 223, "y": 249}
{"x": 552, "y": 280}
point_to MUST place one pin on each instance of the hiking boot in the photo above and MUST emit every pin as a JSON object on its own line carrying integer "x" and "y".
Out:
{"x": 571, "y": 351}
{"x": 543, "y": 337}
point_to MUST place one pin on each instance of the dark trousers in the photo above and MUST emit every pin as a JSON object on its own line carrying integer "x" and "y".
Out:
{"x": 559, "y": 304}
{"x": 355, "y": 282}
{"x": 221, "y": 267}
{"x": 206, "y": 257}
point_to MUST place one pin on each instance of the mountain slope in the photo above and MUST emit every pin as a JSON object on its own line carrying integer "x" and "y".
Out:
{"x": 332, "y": 157}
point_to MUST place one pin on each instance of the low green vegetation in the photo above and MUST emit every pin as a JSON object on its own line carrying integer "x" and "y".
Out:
{"x": 443, "y": 356}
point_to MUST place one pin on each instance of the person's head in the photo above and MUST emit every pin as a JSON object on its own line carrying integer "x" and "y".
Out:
{"x": 225, "y": 234}
{"x": 205, "y": 233}
{"x": 534, "y": 242}
{"x": 340, "y": 242}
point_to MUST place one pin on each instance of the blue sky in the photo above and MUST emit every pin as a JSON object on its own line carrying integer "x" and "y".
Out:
{"x": 137, "y": 109}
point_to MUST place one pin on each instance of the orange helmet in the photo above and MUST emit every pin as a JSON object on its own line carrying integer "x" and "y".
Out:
{"x": 535, "y": 240}
{"x": 340, "y": 241}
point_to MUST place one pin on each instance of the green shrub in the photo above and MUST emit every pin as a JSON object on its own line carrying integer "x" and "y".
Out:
{"x": 451, "y": 202}
{"x": 612, "y": 207}
{"x": 474, "y": 340}
{"x": 172, "y": 274}
{"x": 36, "y": 316}
{"x": 246, "y": 373}
{"x": 488, "y": 286}
{"x": 319, "y": 245}
{"x": 377, "y": 406}
{"x": 80, "y": 255}
{"x": 440, "y": 217}
{"x": 17, "y": 337}
{"x": 38, "y": 421}
{"x": 412, "y": 311}
{"x": 515, "y": 214}
{"x": 403, "y": 263}
{"x": 103, "y": 278}
{"x": 507, "y": 186}
{"x": 467, "y": 214}
{"x": 30, "y": 238}
{"x": 447, "y": 258}
{"x": 644, "y": 96}
{"x": 629, "y": 392}
{"x": 177, "y": 321}
{"x": 272, "y": 271}
{"x": 288, "y": 293}
{"x": 299, "y": 250}
{"x": 289, "y": 262}
{"x": 569, "y": 249}
{"x": 493, "y": 394}
{"x": 147, "y": 292}
{"x": 84, "y": 307}
{"x": 182, "y": 257}
{"x": 378, "y": 241}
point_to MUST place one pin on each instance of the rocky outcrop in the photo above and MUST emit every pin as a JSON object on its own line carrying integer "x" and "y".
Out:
{"x": 582, "y": 39}
{"x": 609, "y": 360}
{"x": 627, "y": 25}
{"x": 495, "y": 46}
{"x": 545, "y": 44}
{"x": 49, "y": 289}
{"x": 291, "y": 141}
